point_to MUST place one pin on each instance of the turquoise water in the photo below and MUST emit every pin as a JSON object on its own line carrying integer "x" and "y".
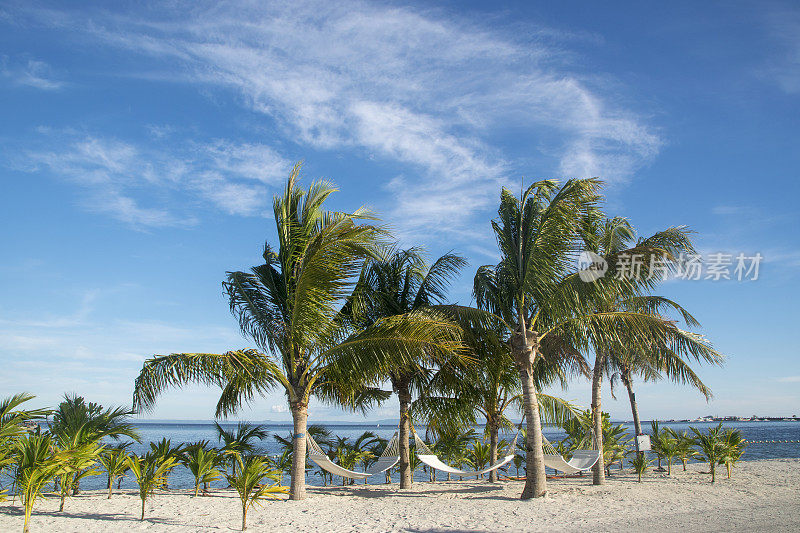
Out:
{"x": 179, "y": 432}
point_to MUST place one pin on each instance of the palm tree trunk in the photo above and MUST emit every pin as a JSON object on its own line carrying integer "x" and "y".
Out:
{"x": 493, "y": 431}
{"x": 404, "y": 394}
{"x": 244, "y": 517}
{"x": 535, "y": 480}
{"x": 598, "y": 469}
{"x": 142, "y": 516}
{"x": 637, "y": 423}
{"x": 297, "y": 489}
{"x": 110, "y": 486}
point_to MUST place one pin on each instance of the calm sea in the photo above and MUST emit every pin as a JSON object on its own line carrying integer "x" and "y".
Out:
{"x": 179, "y": 432}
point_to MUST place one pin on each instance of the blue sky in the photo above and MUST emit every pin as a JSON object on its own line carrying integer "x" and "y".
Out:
{"x": 140, "y": 147}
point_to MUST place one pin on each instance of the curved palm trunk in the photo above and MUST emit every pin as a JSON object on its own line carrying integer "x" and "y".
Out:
{"x": 404, "y": 394}
{"x": 637, "y": 423}
{"x": 598, "y": 469}
{"x": 493, "y": 431}
{"x": 297, "y": 489}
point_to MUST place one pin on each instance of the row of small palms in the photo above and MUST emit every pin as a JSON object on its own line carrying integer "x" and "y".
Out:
{"x": 71, "y": 448}
{"x": 715, "y": 446}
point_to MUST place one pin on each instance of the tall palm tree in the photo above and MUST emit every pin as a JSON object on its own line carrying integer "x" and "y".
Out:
{"x": 290, "y": 307}
{"x": 530, "y": 293}
{"x": 536, "y": 291}
{"x": 398, "y": 283}
{"x": 635, "y": 267}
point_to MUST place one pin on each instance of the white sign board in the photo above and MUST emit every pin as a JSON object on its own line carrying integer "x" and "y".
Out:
{"x": 643, "y": 443}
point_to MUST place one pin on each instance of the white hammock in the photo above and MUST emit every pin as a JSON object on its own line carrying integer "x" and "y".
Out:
{"x": 429, "y": 458}
{"x": 581, "y": 461}
{"x": 389, "y": 458}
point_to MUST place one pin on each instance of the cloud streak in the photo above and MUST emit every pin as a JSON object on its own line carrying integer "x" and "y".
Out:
{"x": 232, "y": 177}
{"x": 434, "y": 93}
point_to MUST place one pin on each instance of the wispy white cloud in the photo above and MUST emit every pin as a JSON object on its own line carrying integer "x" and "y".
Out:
{"x": 121, "y": 177}
{"x": 783, "y": 67}
{"x": 30, "y": 73}
{"x": 789, "y": 379}
{"x": 432, "y": 91}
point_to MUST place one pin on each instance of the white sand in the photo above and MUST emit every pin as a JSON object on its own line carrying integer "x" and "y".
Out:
{"x": 763, "y": 495}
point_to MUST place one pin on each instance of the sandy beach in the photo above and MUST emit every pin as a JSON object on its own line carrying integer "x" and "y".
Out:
{"x": 763, "y": 495}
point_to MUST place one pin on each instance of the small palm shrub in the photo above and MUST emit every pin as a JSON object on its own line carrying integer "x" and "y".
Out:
{"x": 519, "y": 460}
{"x": 37, "y": 465}
{"x": 711, "y": 447}
{"x": 115, "y": 463}
{"x": 248, "y": 480}
{"x": 479, "y": 455}
{"x": 669, "y": 446}
{"x": 733, "y": 448}
{"x": 685, "y": 448}
{"x": 640, "y": 462}
{"x": 150, "y": 472}
{"x": 80, "y": 458}
{"x": 163, "y": 450}
{"x": 656, "y": 436}
{"x": 202, "y": 463}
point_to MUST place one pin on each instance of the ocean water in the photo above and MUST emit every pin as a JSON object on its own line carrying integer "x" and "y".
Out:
{"x": 179, "y": 432}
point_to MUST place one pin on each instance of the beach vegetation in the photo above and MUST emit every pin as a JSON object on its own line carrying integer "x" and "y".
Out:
{"x": 640, "y": 462}
{"x": 80, "y": 424}
{"x": 163, "y": 450}
{"x": 150, "y": 472}
{"x": 249, "y": 482}
{"x": 733, "y": 445}
{"x": 239, "y": 441}
{"x": 37, "y": 464}
{"x": 203, "y": 463}
{"x": 711, "y": 447}
{"x": 115, "y": 463}
{"x": 398, "y": 283}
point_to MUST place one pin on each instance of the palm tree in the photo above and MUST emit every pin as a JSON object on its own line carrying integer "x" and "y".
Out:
{"x": 685, "y": 448}
{"x": 150, "y": 472}
{"x": 76, "y": 423}
{"x": 13, "y": 425}
{"x": 239, "y": 441}
{"x": 249, "y": 482}
{"x": 163, "y": 450}
{"x": 635, "y": 267}
{"x": 202, "y": 463}
{"x": 349, "y": 455}
{"x": 733, "y": 445}
{"x": 115, "y": 462}
{"x": 478, "y": 455}
{"x": 452, "y": 443}
{"x": 711, "y": 447}
{"x": 283, "y": 462}
{"x": 289, "y": 307}
{"x": 37, "y": 465}
{"x": 399, "y": 283}
{"x": 371, "y": 447}
{"x": 547, "y": 311}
